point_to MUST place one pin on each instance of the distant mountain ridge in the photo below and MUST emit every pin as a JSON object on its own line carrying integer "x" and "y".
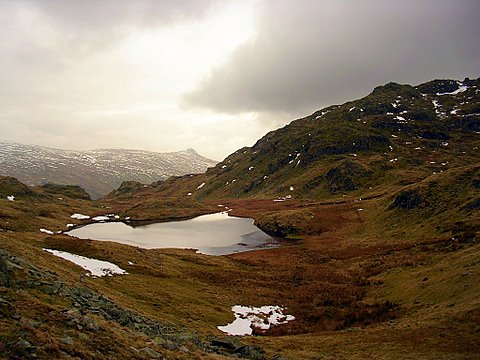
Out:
{"x": 97, "y": 171}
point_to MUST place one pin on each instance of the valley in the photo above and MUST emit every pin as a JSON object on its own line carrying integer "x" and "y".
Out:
{"x": 375, "y": 203}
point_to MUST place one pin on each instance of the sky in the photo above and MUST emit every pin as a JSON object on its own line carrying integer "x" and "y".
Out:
{"x": 213, "y": 75}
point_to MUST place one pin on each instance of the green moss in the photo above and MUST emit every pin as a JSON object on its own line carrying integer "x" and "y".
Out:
{"x": 72, "y": 191}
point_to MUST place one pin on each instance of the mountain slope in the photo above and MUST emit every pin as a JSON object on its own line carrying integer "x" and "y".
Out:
{"x": 395, "y": 136}
{"x": 98, "y": 171}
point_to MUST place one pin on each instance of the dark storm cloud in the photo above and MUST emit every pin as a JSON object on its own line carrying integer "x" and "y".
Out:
{"x": 309, "y": 54}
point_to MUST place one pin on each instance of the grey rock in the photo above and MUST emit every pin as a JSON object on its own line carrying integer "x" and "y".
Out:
{"x": 5, "y": 306}
{"x": 4, "y": 272}
{"x": 67, "y": 340}
{"x": 160, "y": 341}
{"x": 226, "y": 342}
{"x": 251, "y": 352}
{"x": 89, "y": 323}
{"x": 279, "y": 357}
{"x": 71, "y": 313}
{"x": 184, "y": 349}
{"x": 152, "y": 353}
{"x": 23, "y": 344}
{"x": 170, "y": 345}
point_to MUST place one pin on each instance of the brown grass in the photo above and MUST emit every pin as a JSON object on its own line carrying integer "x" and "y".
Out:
{"x": 355, "y": 285}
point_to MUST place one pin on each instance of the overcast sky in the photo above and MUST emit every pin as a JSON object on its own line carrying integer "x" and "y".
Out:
{"x": 214, "y": 75}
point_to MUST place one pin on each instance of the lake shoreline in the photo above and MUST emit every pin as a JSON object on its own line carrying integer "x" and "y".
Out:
{"x": 212, "y": 234}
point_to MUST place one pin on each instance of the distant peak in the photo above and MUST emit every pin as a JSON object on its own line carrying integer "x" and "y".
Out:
{"x": 191, "y": 151}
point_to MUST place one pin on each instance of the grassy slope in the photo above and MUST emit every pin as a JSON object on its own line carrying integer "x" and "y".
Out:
{"x": 348, "y": 149}
{"x": 337, "y": 282}
{"x": 386, "y": 267}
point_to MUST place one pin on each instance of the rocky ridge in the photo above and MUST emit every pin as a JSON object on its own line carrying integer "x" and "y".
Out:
{"x": 97, "y": 171}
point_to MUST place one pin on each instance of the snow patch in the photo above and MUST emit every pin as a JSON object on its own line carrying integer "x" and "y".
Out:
{"x": 46, "y": 231}
{"x": 323, "y": 113}
{"x": 11, "y": 198}
{"x": 246, "y": 318}
{"x": 436, "y": 104}
{"x": 461, "y": 89}
{"x": 80, "y": 217}
{"x": 201, "y": 185}
{"x": 94, "y": 266}
{"x": 100, "y": 218}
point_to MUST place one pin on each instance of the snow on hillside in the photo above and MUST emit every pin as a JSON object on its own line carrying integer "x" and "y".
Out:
{"x": 97, "y": 171}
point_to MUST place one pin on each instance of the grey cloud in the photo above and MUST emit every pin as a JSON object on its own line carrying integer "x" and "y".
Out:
{"x": 42, "y": 41}
{"x": 309, "y": 54}
{"x": 81, "y": 28}
{"x": 77, "y": 29}
{"x": 89, "y": 25}
{"x": 108, "y": 13}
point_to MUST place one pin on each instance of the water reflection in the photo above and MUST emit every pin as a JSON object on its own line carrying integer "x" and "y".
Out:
{"x": 214, "y": 234}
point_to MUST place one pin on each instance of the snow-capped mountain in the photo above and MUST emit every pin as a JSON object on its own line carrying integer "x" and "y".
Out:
{"x": 97, "y": 171}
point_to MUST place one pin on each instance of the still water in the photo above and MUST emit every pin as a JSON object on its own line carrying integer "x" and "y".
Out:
{"x": 214, "y": 234}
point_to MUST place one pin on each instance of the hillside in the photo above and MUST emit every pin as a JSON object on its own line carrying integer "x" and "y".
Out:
{"x": 97, "y": 171}
{"x": 376, "y": 203}
{"x": 395, "y": 136}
